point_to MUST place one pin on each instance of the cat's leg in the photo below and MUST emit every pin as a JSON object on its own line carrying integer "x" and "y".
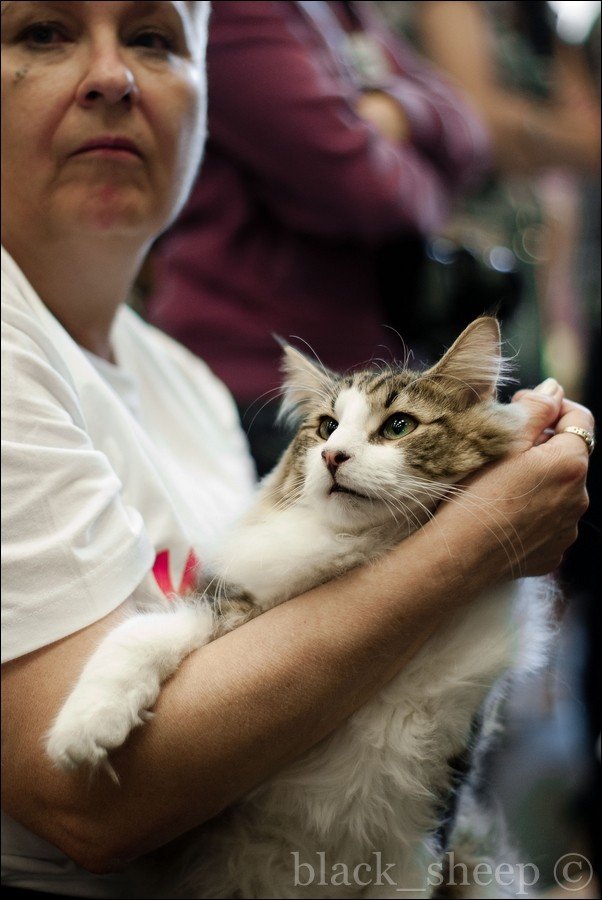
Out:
{"x": 121, "y": 682}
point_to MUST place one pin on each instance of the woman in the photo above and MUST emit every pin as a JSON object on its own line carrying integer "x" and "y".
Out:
{"x": 122, "y": 463}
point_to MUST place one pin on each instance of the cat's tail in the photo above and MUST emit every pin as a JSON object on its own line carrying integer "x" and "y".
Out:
{"x": 480, "y": 861}
{"x": 535, "y": 611}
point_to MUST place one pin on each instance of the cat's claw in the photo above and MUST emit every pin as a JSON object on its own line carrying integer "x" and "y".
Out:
{"x": 93, "y": 722}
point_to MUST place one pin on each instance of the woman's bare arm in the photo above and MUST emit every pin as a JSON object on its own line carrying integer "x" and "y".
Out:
{"x": 242, "y": 707}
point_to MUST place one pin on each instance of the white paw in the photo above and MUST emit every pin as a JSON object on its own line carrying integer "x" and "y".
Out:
{"x": 97, "y": 718}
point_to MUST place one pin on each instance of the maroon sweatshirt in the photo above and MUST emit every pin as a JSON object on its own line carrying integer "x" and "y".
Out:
{"x": 296, "y": 192}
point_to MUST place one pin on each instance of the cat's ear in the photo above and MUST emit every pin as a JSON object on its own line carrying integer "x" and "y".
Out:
{"x": 473, "y": 364}
{"x": 305, "y": 382}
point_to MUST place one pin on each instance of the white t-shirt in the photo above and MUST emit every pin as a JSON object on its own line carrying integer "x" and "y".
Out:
{"x": 116, "y": 481}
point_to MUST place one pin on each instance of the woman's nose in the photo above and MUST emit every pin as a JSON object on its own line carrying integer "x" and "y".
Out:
{"x": 108, "y": 78}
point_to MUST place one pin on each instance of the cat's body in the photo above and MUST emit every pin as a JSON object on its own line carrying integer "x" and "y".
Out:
{"x": 374, "y": 455}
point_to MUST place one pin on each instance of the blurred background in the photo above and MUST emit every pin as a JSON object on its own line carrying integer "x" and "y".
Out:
{"x": 378, "y": 174}
{"x": 546, "y": 768}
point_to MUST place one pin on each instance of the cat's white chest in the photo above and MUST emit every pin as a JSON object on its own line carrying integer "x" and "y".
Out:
{"x": 290, "y": 552}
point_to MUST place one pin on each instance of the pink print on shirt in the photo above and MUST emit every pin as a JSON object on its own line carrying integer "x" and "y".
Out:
{"x": 189, "y": 580}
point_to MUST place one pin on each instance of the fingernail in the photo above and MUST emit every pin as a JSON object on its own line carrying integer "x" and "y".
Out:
{"x": 549, "y": 386}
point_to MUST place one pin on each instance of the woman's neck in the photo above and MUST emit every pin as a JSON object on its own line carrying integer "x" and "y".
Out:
{"x": 82, "y": 283}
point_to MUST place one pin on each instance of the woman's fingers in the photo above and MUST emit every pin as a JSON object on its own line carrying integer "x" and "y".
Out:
{"x": 545, "y": 436}
{"x": 548, "y": 413}
{"x": 541, "y": 492}
{"x": 573, "y": 415}
{"x": 541, "y": 408}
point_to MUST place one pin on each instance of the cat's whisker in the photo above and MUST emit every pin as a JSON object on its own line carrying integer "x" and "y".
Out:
{"x": 428, "y": 512}
{"x": 276, "y": 392}
{"x": 515, "y": 559}
{"x": 220, "y": 596}
{"x": 460, "y": 490}
{"x": 286, "y": 502}
{"x": 400, "y": 504}
{"x": 411, "y": 523}
{"x": 313, "y": 353}
{"x": 263, "y": 406}
{"x": 472, "y": 502}
{"x": 455, "y": 492}
{"x": 391, "y": 507}
{"x": 429, "y": 516}
{"x": 291, "y": 409}
{"x": 388, "y": 369}
{"x": 298, "y": 479}
{"x": 447, "y": 377}
{"x": 209, "y": 589}
{"x": 407, "y": 353}
{"x": 294, "y": 491}
{"x": 502, "y": 376}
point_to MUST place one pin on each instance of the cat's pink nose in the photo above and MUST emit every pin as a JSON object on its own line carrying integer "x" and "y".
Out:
{"x": 333, "y": 459}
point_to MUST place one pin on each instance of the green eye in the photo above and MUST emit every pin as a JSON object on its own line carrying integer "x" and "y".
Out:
{"x": 397, "y": 426}
{"x": 326, "y": 427}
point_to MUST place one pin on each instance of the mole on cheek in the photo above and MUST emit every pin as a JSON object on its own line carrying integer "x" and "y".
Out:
{"x": 20, "y": 74}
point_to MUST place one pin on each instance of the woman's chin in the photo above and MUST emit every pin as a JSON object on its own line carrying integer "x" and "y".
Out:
{"x": 116, "y": 215}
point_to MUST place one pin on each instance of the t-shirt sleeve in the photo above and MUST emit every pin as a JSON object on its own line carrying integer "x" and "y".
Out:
{"x": 72, "y": 551}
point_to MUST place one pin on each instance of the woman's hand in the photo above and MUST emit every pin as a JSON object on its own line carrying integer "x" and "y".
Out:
{"x": 520, "y": 515}
{"x": 385, "y": 114}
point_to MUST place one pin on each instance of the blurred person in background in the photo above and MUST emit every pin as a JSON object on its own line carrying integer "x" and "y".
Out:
{"x": 328, "y": 140}
{"x": 538, "y": 99}
{"x": 533, "y": 72}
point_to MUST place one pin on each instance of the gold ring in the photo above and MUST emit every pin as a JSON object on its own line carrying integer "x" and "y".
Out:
{"x": 582, "y": 433}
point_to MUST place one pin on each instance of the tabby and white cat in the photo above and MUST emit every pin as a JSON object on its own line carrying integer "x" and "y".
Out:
{"x": 374, "y": 453}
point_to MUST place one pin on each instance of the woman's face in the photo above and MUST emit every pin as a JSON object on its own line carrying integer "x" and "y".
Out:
{"x": 103, "y": 114}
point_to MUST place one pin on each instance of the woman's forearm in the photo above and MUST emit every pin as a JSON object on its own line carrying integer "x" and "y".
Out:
{"x": 236, "y": 711}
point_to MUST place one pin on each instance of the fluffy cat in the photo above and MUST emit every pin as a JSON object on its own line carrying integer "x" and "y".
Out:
{"x": 374, "y": 454}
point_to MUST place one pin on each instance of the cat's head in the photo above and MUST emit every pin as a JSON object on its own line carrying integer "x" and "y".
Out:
{"x": 380, "y": 444}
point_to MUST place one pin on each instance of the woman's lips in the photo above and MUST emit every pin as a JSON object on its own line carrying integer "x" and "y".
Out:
{"x": 109, "y": 147}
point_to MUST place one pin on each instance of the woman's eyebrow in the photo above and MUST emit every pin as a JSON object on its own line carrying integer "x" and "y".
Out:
{"x": 24, "y": 6}
{"x": 138, "y": 9}
{"x": 145, "y": 7}
{"x": 28, "y": 4}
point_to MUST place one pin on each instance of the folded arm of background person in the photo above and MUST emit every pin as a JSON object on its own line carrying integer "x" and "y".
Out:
{"x": 242, "y": 707}
{"x": 286, "y": 112}
{"x": 526, "y": 134}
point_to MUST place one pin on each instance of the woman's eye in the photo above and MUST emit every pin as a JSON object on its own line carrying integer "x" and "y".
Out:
{"x": 153, "y": 40}
{"x": 43, "y": 34}
{"x": 397, "y": 426}
{"x": 326, "y": 427}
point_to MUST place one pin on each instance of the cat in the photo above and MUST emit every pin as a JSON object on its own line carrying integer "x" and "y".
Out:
{"x": 374, "y": 453}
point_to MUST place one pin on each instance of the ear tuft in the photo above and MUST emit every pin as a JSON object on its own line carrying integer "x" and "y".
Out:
{"x": 304, "y": 382}
{"x": 474, "y": 363}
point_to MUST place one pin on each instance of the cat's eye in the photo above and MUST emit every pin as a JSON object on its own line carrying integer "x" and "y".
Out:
{"x": 327, "y": 426}
{"x": 397, "y": 426}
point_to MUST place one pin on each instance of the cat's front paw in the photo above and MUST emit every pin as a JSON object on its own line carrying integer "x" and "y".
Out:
{"x": 96, "y": 719}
